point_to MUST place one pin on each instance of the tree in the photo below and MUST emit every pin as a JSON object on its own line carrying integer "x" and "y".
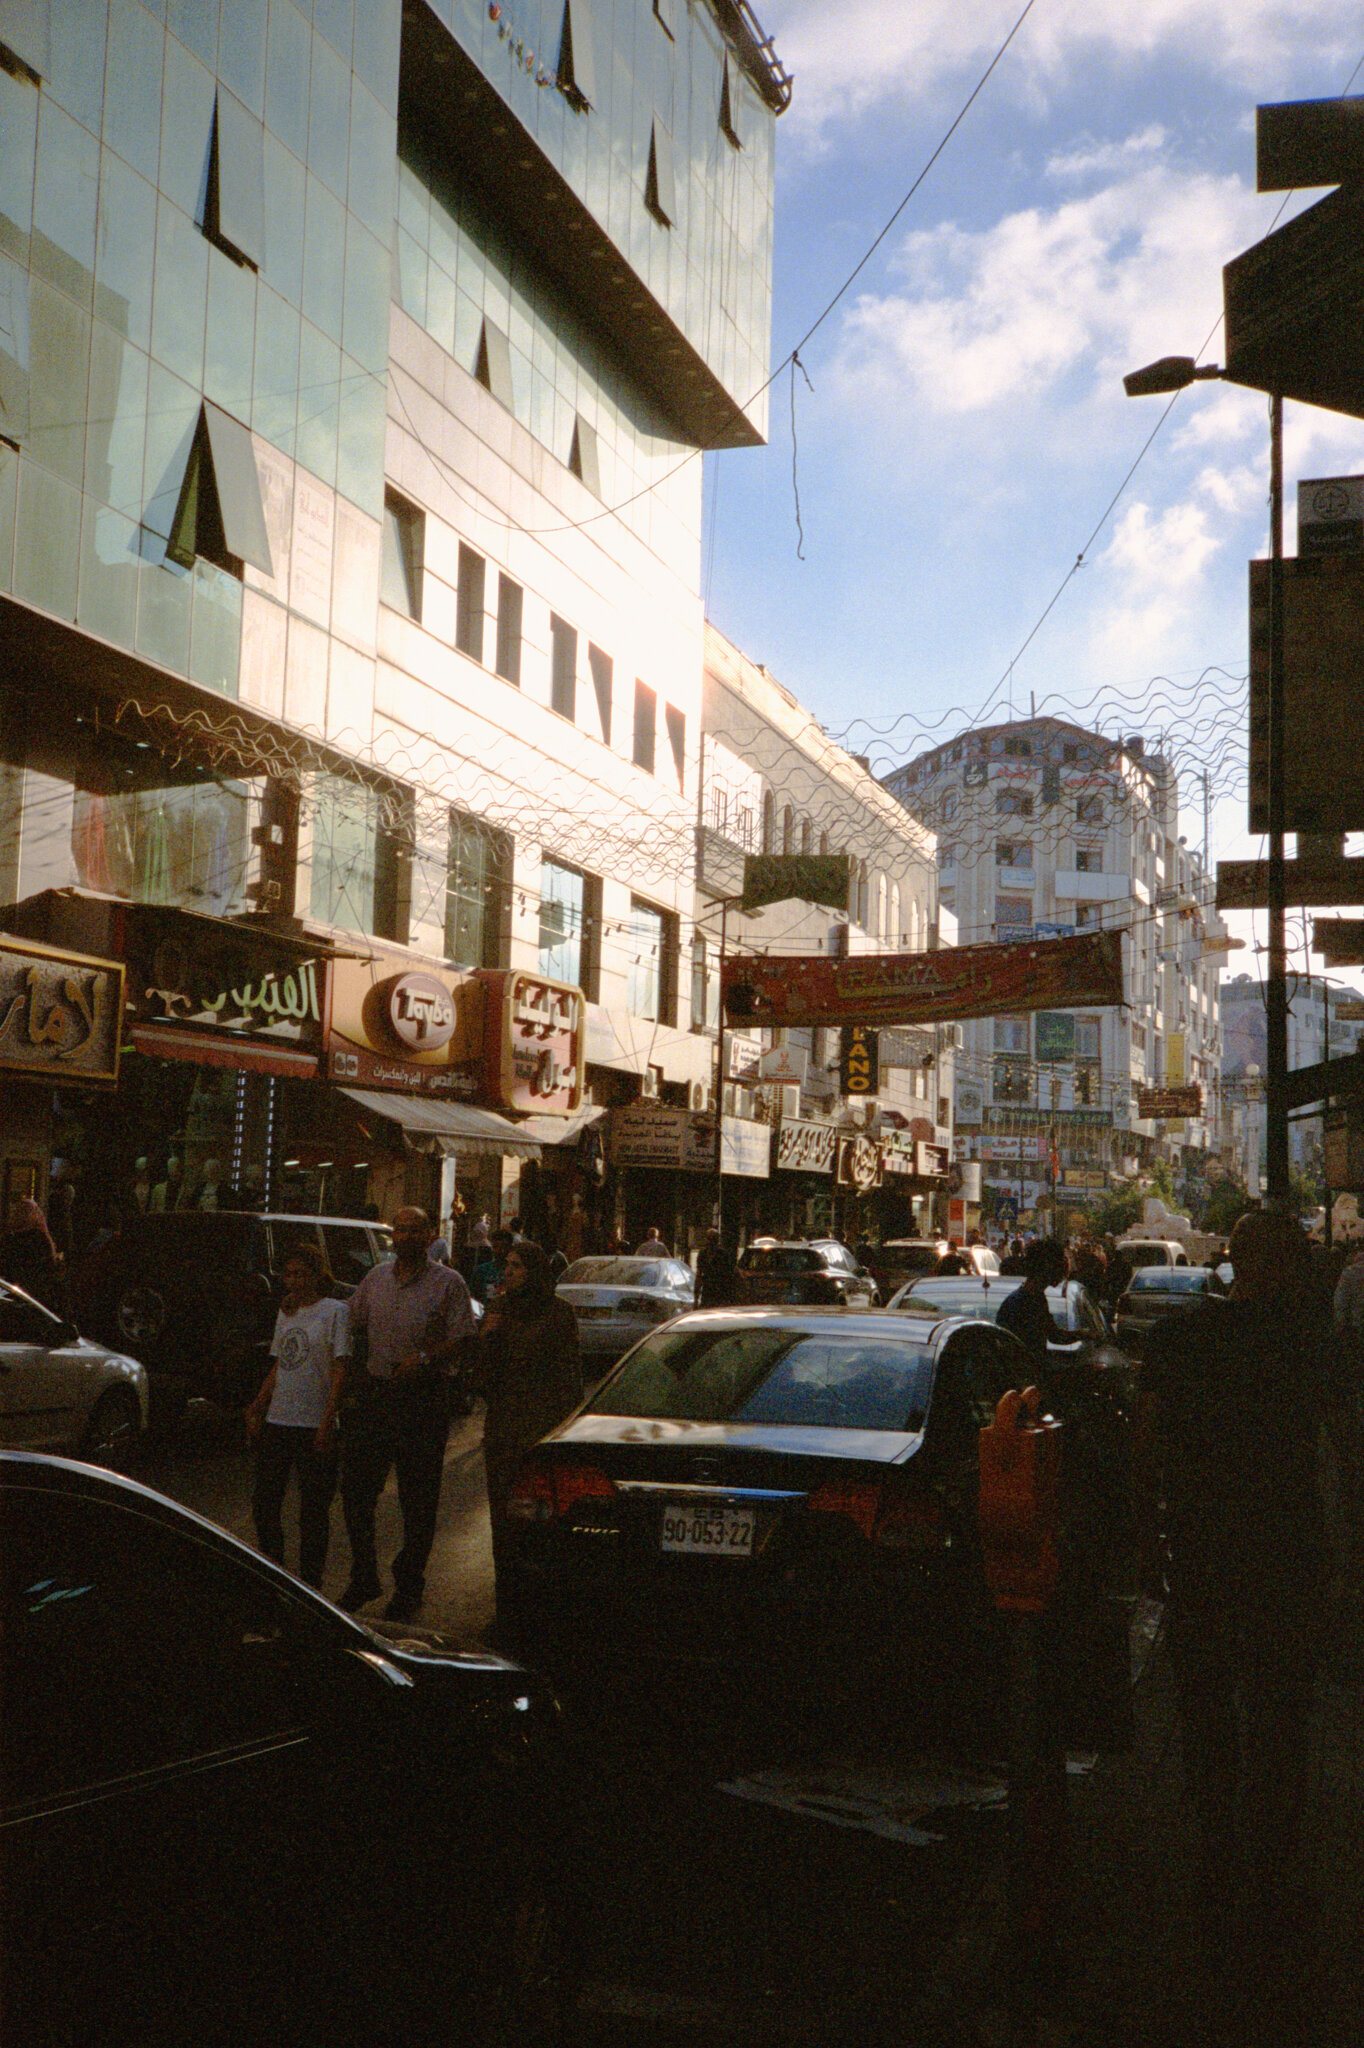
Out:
{"x": 1116, "y": 1212}
{"x": 1226, "y": 1202}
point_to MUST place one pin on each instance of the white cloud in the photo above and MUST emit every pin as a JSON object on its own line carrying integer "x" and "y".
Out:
{"x": 1091, "y": 157}
{"x": 1162, "y": 553}
{"x": 850, "y": 58}
{"x": 1094, "y": 286}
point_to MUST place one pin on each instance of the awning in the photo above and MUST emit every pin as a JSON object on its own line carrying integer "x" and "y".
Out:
{"x": 207, "y": 1049}
{"x": 560, "y": 1130}
{"x": 454, "y": 1129}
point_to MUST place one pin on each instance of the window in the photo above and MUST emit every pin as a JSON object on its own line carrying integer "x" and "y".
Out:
{"x": 469, "y": 603}
{"x": 807, "y": 835}
{"x": 583, "y": 457}
{"x": 651, "y": 976}
{"x": 823, "y": 843}
{"x": 403, "y": 546}
{"x": 493, "y": 367}
{"x": 949, "y": 805}
{"x": 1013, "y": 853}
{"x": 219, "y": 515}
{"x": 676, "y": 724}
{"x": 1019, "y": 748}
{"x": 788, "y": 829}
{"x": 1013, "y": 916}
{"x": 769, "y": 822}
{"x": 646, "y": 720}
{"x": 570, "y": 921}
{"x": 477, "y": 893}
{"x": 234, "y": 209}
{"x": 1070, "y": 753}
{"x": 1088, "y": 860}
{"x": 24, "y": 31}
{"x": 1089, "y": 810}
{"x": 659, "y": 192}
{"x": 705, "y": 988}
{"x": 510, "y": 599}
{"x": 577, "y": 76}
{"x": 897, "y": 937}
{"x": 1013, "y": 803}
{"x": 359, "y": 861}
{"x": 1087, "y": 1038}
{"x": 1012, "y": 1034}
{"x": 728, "y": 127}
{"x": 1088, "y": 1084}
{"x": 863, "y": 895}
{"x": 563, "y": 668}
{"x": 956, "y": 751}
{"x": 663, "y": 15}
{"x": 603, "y": 672}
{"x": 1086, "y": 913}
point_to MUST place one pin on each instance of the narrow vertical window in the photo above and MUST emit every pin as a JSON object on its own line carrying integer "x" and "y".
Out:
{"x": 469, "y": 603}
{"x": 401, "y": 585}
{"x": 493, "y": 367}
{"x": 660, "y": 191}
{"x": 577, "y": 74}
{"x": 728, "y": 127}
{"x": 676, "y": 722}
{"x": 584, "y": 458}
{"x": 509, "y": 607}
{"x": 234, "y": 213}
{"x": 603, "y": 672}
{"x": 646, "y": 720}
{"x": 563, "y": 668}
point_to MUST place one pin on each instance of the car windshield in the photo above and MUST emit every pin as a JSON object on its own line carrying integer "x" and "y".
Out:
{"x": 758, "y": 1374}
{"x": 909, "y": 1258}
{"x": 1169, "y": 1280}
{"x": 780, "y": 1258}
{"x": 616, "y": 1273}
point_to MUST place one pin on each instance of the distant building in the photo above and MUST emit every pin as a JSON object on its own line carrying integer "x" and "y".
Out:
{"x": 1046, "y": 829}
{"x": 1313, "y": 1007}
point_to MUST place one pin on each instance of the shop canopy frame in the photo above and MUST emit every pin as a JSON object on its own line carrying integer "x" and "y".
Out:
{"x": 451, "y": 1130}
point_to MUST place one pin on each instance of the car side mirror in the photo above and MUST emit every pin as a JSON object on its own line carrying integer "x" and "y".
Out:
{"x": 67, "y": 1334}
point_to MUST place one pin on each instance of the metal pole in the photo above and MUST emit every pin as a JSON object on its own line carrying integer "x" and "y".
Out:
{"x": 720, "y": 1080}
{"x": 1276, "y": 991}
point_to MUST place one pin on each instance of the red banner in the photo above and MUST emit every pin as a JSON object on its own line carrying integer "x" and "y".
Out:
{"x": 925, "y": 988}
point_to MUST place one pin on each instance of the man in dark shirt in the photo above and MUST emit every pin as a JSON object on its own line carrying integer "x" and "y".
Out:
{"x": 1234, "y": 1397}
{"x": 1024, "y": 1312}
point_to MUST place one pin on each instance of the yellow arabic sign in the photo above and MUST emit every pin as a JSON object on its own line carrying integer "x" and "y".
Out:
{"x": 61, "y": 1014}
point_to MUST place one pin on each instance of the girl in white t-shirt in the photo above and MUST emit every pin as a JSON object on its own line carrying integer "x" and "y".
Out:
{"x": 292, "y": 1420}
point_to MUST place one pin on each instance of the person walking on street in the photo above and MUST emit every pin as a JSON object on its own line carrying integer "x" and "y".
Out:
{"x": 653, "y": 1246}
{"x": 1025, "y": 1313}
{"x": 416, "y": 1321}
{"x": 716, "y": 1277}
{"x": 1235, "y": 1394}
{"x": 292, "y": 1421}
{"x": 29, "y": 1258}
{"x": 529, "y": 1373}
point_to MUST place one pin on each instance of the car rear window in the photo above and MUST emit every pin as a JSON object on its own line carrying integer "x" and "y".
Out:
{"x": 908, "y": 1258}
{"x": 781, "y": 1259}
{"x": 614, "y": 1273}
{"x": 1169, "y": 1280}
{"x": 760, "y": 1375}
{"x": 960, "y": 1297}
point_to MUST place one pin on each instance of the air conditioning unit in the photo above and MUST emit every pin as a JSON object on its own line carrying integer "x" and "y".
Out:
{"x": 702, "y": 1097}
{"x": 648, "y": 1085}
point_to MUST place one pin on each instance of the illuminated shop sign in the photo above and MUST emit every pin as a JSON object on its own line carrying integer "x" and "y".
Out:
{"x": 60, "y": 1015}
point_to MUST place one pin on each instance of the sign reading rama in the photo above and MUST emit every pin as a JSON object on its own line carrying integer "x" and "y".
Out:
{"x": 921, "y": 988}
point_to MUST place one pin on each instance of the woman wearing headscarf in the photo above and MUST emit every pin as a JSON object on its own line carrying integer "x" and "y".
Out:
{"x": 530, "y": 1373}
{"x": 29, "y": 1258}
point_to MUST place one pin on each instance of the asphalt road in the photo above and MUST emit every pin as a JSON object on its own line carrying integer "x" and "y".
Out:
{"x": 743, "y": 1877}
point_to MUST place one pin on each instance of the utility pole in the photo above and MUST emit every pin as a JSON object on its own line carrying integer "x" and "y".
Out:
{"x": 1276, "y": 993}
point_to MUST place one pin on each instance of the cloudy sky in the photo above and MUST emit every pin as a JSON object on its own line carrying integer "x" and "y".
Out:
{"x": 967, "y": 427}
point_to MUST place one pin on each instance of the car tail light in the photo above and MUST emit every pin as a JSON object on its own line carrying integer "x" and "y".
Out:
{"x": 544, "y": 1488}
{"x": 891, "y": 1520}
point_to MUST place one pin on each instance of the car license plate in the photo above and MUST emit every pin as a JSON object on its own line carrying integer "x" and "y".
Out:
{"x": 714, "y": 1532}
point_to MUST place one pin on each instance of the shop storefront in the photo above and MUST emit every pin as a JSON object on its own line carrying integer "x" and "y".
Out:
{"x": 665, "y": 1165}
{"x": 914, "y": 1188}
{"x": 802, "y": 1178}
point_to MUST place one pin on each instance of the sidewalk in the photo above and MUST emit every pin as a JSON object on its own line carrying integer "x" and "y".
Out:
{"x": 1142, "y": 1973}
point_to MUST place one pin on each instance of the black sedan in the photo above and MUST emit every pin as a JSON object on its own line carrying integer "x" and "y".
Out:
{"x": 1154, "y": 1292}
{"x": 231, "y": 1813}
{"x": 820, "y": 1274}
{"x": 1085, "y": 1331}
{"x": 791, "y": 1492}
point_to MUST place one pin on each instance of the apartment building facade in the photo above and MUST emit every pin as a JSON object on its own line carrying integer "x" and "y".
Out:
{"x": 1046, "y": 829}
{"x": 355, "y": 365}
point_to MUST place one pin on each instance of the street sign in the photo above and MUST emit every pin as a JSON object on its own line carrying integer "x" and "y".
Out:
{"x": 1331, "y": 515}
{"x": 1349, "y": 1013}
{"x": 1340, "y": 940}
{"x": 1323, "y": 669}
{"x": 1169, "y": 1102}
{"x": 1244, "y": 884}
{"x": 1292, "y": 306}
{"x": 859, "y": 1061}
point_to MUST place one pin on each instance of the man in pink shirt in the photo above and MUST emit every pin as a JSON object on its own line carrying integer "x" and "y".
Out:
{"x": 413, "y": 1320}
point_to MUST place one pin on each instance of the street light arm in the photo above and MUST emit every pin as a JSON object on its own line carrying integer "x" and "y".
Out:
{"x": 1171, "y": 373}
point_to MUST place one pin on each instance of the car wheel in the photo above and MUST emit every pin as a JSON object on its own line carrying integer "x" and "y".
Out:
{"x": 141, "y": 1315}
{"x": 112, "y": 1433}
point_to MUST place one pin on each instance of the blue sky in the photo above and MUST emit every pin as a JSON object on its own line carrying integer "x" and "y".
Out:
{"x": 968, "y": 425}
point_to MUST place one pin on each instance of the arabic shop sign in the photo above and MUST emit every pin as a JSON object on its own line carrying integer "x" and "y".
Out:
{"x": 60, "y": 1015}
{"x": 390, "y": 1026}
{"x": 859, "y": 1164}
{"x": 223, "y": 983}
{"x": 533, "y": 1042}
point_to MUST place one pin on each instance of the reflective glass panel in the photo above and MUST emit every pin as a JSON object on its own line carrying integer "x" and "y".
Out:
{"x": 132, "y": 86}
{"x": 64, "y": 203}
{"x": 124, "y": 250}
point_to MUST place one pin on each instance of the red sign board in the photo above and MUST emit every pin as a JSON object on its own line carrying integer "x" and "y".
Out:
{"x": 924, "y": 988}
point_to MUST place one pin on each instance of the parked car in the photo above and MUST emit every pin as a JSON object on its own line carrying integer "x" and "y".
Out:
{"x": 616, "y": 1301}
{"x": 1154, "y": 1292}
{"x": 787, "y": 1493}
{"x": 195, "y": 1742}
{"x": 60, "y": 1392}
{"x": 194, "y": 1294}
{"x": 822, "y": 1273}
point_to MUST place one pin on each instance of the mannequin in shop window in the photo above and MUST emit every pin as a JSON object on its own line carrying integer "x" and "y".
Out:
{"x": 142, "y": 1187}
{"x": 167, "y": 1194}
{"x": 208, "y": 1194}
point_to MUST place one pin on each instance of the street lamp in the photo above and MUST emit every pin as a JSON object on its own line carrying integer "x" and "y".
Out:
{"x": 1176, "y": 373}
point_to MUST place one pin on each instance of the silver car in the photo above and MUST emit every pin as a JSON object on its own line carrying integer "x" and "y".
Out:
{"x": 619, "y": 1300}
{"x": 59, "y": 1392}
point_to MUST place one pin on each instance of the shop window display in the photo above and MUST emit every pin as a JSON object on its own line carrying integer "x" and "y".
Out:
{"x": 190, "y": 847}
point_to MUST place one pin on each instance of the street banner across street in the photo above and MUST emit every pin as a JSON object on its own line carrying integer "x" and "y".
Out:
{"x": 922, "y": 988}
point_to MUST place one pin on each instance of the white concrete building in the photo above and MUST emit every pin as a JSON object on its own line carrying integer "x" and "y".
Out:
{"x": 1046, "y": 829}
